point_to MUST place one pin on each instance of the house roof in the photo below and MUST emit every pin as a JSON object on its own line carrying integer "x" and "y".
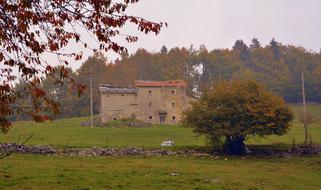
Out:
{"x": 116, "y": 90}
{"x": 171, "y": 83}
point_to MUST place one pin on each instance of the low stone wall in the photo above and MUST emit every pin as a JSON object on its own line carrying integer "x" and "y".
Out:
{"x": 38, "y": 149}
{"x": 125, "y": 122}
{"x": 89, "y": 152}
{"x": 130, "y": 151}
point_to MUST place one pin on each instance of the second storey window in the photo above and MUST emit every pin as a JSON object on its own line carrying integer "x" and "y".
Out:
{"x": 173, "y": 104}
{"x": 149, "y": 91}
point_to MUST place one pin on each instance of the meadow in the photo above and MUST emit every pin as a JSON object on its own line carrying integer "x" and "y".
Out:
{"x": 22, "y": 171}
{"x": 151, "y": 173}
{"x": 68, "y": 132}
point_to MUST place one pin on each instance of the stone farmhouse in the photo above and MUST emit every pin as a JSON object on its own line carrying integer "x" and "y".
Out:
{"x": 156, "y": 102}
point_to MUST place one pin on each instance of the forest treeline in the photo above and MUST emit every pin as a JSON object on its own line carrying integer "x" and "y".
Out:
{"x": 276, "y": 65}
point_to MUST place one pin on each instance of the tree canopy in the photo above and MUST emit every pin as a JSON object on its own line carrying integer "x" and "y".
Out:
{"x": 236, "y": 109}
{"x": 202, "y": 69}
{"x": 276, "y": 65}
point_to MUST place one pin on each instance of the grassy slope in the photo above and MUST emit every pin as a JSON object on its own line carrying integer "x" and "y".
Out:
{"x": 313, "y": 109}
{"x": 53, "y": 172}
{"x": 69, "y": 132}
{"x": 74, "y": 136}
{"x": 60, "y": 133}
{"x": 59, "y": 172}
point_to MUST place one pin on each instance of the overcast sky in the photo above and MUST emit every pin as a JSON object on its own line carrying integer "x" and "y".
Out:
{"x": 219, "y": 23}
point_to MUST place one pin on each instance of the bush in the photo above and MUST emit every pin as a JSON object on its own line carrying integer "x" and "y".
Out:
{"x": 235, "y": 109}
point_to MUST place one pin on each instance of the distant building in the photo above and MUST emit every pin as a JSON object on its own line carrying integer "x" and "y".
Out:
{"x": 157, "y": 102}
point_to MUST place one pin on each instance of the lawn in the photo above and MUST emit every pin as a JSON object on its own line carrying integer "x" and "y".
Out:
{"x": 313, "y": 109}
{"x": 68, "y": 132}
{"x": 76, "y": 136}
{"x": 61, "y": 133}
{"x": 170, "y": 173}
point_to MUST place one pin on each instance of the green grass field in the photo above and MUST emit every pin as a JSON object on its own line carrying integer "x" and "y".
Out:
{"x": 313, "y": 109}
{"x": 137, "y": 172}
{"x": 68, "y": 132}
{"x": 151, "y": 173}
{"x": 61, "y": 134}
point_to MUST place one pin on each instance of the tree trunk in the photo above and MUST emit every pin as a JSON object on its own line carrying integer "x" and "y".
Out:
{"x": 235, "y": 145}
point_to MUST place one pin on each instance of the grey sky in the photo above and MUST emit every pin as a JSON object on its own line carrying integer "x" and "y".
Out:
{"x": 219, "y": 23}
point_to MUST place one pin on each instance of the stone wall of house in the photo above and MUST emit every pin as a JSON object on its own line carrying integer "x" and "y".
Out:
{"x": 166, "y": 101}
{"x": 116, "y": 106}
{"x": 157, "y": 105}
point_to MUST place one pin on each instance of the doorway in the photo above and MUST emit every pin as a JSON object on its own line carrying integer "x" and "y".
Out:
{"x": 162, "y": 118}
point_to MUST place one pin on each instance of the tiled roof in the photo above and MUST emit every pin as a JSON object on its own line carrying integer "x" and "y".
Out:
{"x": 116, "y": 90}
{"x": 171, "y": 83}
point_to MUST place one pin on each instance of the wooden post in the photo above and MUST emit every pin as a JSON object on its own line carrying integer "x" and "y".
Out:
{"x": 91, "y": 99}
{"x": 304, "y": 109}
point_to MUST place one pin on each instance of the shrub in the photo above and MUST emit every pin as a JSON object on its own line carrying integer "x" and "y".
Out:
{"x": 232, "y": 110}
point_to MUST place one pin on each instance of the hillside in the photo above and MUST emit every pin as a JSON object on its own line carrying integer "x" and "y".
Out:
{"x": 68, "y": 132}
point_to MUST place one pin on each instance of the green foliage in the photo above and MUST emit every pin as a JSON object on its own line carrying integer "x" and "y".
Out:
{"x": 61, "y": 93}
{"x": 236, "y": 109}
{"x": 95, "y": 66}
{"x": 71, "y": 104}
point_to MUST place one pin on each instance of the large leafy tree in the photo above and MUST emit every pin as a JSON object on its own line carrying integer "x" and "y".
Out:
{"x": 234, "y": 110}
{"x": 95, "y": 67}
{"x": 31, "y": 28}
{"x": 60, "y": 93}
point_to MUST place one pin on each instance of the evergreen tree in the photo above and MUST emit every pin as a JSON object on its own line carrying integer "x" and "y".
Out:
{"x": 163, "y": 50}
{"x": 255, "y": 44}
{"x": 241, "y": 48}
{"x": 275, "y": 47}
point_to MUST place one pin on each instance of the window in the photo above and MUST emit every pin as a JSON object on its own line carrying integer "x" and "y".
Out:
{"x": 150, "y": 117}
{"x": 173, "y": 92}
{"x": 114, "y": 118}
{"x": 173, "y": 117}
{"x": 173, "y": 104}
{"x": 122, "y": 95}
{"x": 150, "y": 104}
{"x": 107, "y": 95}
{"x": 150, "y": 91}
